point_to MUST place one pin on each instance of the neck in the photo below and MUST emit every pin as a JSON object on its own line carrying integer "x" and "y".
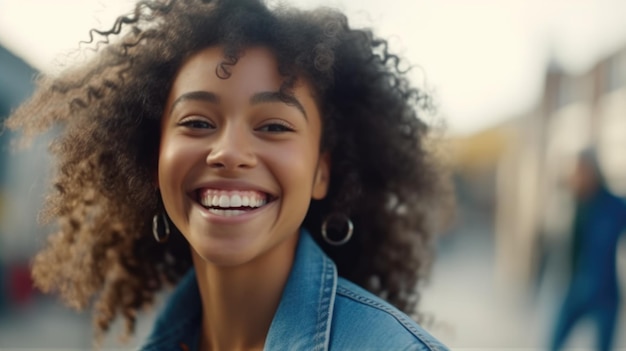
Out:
{"x": 239, "y": 303}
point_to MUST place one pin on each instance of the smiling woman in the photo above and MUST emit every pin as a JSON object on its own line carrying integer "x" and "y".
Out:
{"x": 276, "y": 156}
{"x": 225, "y": 138}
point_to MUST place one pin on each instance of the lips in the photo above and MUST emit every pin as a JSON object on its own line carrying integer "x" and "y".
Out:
{"x": 232, "y": 202}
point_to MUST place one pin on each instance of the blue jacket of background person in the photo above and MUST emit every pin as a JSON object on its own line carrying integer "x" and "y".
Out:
{"x": 602, "y": 219}
{"x": 318, "y": 311}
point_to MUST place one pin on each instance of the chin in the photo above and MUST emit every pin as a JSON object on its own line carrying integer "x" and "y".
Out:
{"x": 225, "y": 254}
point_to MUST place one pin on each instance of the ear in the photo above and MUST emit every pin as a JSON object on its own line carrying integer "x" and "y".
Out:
{"x": 322, "y": 177}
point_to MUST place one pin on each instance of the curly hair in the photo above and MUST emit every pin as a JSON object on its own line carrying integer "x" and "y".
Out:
{"x": 107, "y": 114}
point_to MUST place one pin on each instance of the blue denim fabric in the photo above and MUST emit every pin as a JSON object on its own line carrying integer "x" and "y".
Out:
{"x": 318, "y": 311}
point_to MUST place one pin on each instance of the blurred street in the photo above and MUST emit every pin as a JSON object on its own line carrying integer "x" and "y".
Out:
{"x": 47, "y": 325}
{"x": 472, "y": 312}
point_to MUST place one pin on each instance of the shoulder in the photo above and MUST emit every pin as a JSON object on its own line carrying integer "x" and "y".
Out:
{"x": 364, "y": 321}
{"x": 613, "y": 200}
{"x": 615, "y": 206}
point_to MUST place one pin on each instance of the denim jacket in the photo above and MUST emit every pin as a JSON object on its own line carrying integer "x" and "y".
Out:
{"x": 318, "y": 311}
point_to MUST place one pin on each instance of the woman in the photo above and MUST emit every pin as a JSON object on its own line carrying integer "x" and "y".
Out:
{"x": 269, "y": 163}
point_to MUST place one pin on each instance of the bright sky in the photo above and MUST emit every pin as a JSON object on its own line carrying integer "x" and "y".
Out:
{"x": 484, "y": 58}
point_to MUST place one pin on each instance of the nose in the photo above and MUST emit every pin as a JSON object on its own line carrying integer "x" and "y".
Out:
{"x": 232, "y": 149}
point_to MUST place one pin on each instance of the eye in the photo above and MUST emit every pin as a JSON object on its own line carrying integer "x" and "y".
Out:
{"x": 275, "y": 127}
{"x": 196, "y": 123}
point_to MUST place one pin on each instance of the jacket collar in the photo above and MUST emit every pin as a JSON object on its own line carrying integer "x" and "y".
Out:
{"x": 303, "y": 318}
{"x": 301, "y": 322}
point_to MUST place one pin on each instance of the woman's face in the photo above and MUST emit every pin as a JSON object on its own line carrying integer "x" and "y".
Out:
{"x": 238, "y": 167}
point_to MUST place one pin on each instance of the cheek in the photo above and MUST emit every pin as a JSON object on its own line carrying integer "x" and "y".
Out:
{"x": 176, "y": 158}
{"x": 294, "y": 164}
{"x": 167, "y": 160}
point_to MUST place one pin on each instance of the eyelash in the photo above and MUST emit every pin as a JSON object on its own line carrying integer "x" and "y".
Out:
{"x": 284, "y": 127}
{"x": 194, "y": 123}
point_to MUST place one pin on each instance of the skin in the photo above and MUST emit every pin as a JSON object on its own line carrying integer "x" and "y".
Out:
{"x": 233, "y": 134}
{"x": 583, "y": 181}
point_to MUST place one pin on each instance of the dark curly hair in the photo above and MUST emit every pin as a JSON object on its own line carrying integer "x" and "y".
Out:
{"x": 107, "y": 111}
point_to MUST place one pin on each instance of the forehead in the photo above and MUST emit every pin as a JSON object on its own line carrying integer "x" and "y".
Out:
{"x": 256, "y": 70}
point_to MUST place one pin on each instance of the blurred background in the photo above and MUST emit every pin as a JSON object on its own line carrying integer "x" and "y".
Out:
{"x": 522, "y": 86}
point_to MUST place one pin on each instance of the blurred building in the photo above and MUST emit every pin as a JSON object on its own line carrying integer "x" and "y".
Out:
{"x": 514, "y": 174}
{"x": 16, "y": 168}
{"x": 16, "y": 84}
{"x": 533, "y": 204}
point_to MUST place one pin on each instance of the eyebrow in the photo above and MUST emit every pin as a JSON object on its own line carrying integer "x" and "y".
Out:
{"x": 196, "y": 96}
{"x": 259, "y": 98}
{"x": 275, "y": 96}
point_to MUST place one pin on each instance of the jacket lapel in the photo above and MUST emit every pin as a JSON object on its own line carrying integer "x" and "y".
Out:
{"x": 304, "y": 315}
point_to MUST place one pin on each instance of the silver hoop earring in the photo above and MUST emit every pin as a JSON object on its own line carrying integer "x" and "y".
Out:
{"x": 160, "y": 236}
{"x": 338, "y": 221}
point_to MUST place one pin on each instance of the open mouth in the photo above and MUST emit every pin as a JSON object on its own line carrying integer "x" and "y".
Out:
{"x": 230, "y": 203}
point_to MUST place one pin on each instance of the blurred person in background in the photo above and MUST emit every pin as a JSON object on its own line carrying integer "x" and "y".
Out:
{"x": 593, "y": 290}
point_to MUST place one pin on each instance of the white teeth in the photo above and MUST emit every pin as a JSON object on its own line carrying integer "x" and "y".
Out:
{"x": 235, "y": 201}
{"x": 226, "y": 213}
{"x": 224, "y": 201}
{"x": 232, "y": 199}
